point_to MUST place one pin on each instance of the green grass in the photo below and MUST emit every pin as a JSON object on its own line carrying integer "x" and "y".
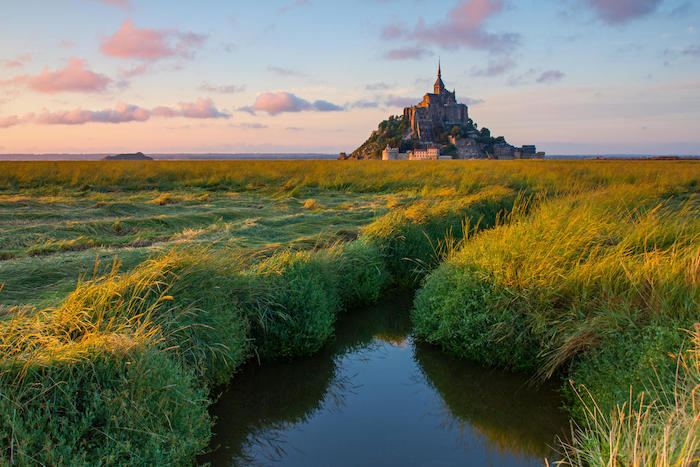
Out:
{"x": 583, "y": 270}
{"x": 596, "y": 287}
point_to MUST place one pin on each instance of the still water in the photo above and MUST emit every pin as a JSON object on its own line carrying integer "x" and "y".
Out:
{"x": 374, "y": 396}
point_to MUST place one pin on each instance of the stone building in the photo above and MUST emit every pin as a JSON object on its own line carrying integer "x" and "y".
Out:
{"x": 506, "y": 151}
{"x": 393, "y": 154}
{"x": 430, "y": 153}
{"x": 438, "y": 109}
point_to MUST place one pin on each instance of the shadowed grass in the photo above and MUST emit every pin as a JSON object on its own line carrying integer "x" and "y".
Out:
{"x": 660, "y": 427}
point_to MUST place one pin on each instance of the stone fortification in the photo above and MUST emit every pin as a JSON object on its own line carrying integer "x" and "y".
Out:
{"x": 437, "y": 110}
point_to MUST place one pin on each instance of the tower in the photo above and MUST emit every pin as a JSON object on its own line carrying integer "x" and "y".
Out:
{"x": 439, "y": 86}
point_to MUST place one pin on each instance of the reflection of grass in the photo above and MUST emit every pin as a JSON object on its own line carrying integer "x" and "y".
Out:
{"x": 266, "y": 399}
{"x": 511, "y": 417}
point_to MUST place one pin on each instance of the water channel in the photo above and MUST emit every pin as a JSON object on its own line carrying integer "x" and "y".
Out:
{"x": 374, "y": 396}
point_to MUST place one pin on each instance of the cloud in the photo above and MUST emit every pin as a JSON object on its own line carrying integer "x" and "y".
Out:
{"x": 462, "y": 27}
{"x": 378, "y": 86}
{"x": 682, "y": 10}
{"x": 150, "y": 44}
{"x": 325, "y": 106}
{"x": 136, "y": 71}
{"x": 362, "y": 104}
{"x": 119, "y": 3}
{"x": 278, "y": 102}
{"x": 203, "y": 108}
{"x": 17, "y": 62}
{"x": 122, "y": 113}
{"x": 284, "y": 71}
{"x": 228, "y": 89}
{"x": 494, "y": 68}
{"x": 620, "y": 11}
{"x": 295, "y": 4}
{"x": 73, "y": 78}
{"x": 250, "y": 126}
{"x": 393, "y": 31}
{"x": 472, "y": 101}
{"x": 408, "y": 53}
{"x": 12, "y": 120}
{"x": 399, "y": 101}
{"x": 691, "y": 51}
{"x": 294, "y": 128}
{"x": 550, "y": 76}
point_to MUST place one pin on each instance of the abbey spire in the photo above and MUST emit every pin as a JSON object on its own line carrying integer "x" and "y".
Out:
{"x": 439, "y": 86}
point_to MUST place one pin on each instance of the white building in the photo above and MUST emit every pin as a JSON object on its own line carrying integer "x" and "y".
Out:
{"x": 393, "y": 154}
{"x": 425, "y": 154}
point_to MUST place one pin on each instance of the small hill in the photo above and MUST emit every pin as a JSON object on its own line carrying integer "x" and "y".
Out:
{"x": 139, "y": 156}
{"x": 395, "y": 132}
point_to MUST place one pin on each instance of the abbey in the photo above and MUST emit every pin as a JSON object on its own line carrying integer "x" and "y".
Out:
{"x": 437, "y": 110}
{"x": 437, "y": 128}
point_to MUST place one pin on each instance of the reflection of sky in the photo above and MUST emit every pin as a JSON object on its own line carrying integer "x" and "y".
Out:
{"x": 380, "y": 410}
{"x": 564, "y": 75}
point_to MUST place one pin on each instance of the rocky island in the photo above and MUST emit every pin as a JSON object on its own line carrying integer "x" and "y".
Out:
{"x": 438, "y": 127}
{"x": 137, "y": 156}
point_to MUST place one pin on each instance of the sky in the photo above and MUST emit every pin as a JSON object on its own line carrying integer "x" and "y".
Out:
{"x": 166, "y": 76}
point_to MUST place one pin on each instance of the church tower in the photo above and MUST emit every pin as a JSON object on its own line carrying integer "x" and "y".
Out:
{"x": 439, "y": 87}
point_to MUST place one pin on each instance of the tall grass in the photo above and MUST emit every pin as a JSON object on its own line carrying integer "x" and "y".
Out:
{"x": 71, "y": 393}
{"x": 596, "y": 287}
{"x": 661, "y": 427}
{"x": 593, "y": 282}
{"x": 409, "y": 237}
{"x": 368, "y": 176}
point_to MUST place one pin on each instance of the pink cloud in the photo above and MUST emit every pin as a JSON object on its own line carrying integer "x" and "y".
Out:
{"x": 166, "y": 112}
{"x": 203, "y": 108}
{"x": 408, "y": 53}
{"x": 17, "y": 62}
{"x": 619, "y": 11}
{"x": 122, "y": 113}
{"x": 462, "y": 27}
{"x": 150, "y": 44}
{"x": 277, "y": 102}
{"x": 74, "y": 78}
{"x": 119, "y": 3}
{"x": 399, "y": 101}
{"x": 12, "y": 120}
{"x": 550, "y": 76}
{"x": 224, "y": 89}
{"x": 136, "y": 71}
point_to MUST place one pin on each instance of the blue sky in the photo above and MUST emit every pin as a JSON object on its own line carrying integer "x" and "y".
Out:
{"x": 588, "y": 76}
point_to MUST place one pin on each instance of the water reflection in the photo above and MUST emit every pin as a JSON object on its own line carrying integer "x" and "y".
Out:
{"x": 374, "y": 397}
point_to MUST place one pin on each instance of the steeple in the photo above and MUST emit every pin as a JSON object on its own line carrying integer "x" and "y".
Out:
{"x": 439, "y": 86}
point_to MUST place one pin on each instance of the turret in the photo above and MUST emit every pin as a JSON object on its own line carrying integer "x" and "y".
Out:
{"x": 439, "y": 86}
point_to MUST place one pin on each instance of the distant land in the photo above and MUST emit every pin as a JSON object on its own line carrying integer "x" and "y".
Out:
{"x": 292, "y": 156}
{"x": 134, "y": 156}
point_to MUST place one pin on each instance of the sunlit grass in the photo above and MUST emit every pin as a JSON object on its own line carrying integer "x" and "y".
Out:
{"x": 587, "y": 270}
